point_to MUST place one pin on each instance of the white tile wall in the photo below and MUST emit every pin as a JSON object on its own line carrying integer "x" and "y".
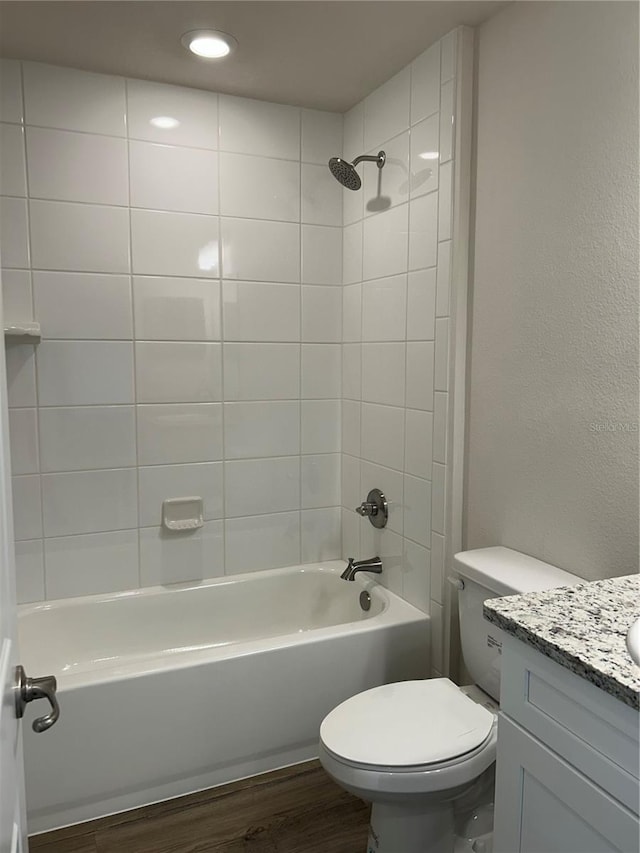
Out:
{"x": 165, "y": 262}
{"x": 396, "y": 326}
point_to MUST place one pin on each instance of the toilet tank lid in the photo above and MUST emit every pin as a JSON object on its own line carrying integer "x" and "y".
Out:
{"x": 508, "y": 572}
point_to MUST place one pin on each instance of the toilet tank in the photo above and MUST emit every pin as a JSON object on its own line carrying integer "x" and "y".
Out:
{"x": 492, "y": 573}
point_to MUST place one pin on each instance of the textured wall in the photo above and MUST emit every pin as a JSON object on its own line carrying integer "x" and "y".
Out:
{"x": 552, "y": 451}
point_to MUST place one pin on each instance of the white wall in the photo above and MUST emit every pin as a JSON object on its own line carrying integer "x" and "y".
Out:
{"x": 185, "y": 283}
{"x": 554, "y": 338}
{"x": 397, "y": 315}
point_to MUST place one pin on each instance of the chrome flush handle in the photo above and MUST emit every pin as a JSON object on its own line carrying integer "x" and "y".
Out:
{"x": 29, "y": 689}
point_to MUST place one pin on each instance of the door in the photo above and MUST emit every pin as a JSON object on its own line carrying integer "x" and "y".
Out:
{"x": 13, "y": 824}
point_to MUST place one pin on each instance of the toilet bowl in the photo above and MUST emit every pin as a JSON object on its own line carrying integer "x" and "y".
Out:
{"x": 411, "y": 749}
{"x": 418, "y": 751}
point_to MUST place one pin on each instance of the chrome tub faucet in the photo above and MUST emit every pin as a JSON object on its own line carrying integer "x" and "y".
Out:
{"x": 373, "y": 564}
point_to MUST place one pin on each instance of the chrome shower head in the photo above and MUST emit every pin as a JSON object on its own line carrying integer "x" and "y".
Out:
{"x": 345, "y": 172}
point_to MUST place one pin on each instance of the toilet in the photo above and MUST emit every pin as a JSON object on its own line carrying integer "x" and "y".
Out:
{"x": 416, "y": 750}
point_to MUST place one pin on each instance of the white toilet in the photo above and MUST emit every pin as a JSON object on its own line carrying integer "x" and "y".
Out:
{"x": 415, "y": 748}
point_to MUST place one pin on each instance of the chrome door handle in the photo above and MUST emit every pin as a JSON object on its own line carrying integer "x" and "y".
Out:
{"x": 29, "y": 689}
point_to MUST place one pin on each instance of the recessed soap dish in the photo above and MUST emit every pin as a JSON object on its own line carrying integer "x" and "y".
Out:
{"x": 180, "y": 514}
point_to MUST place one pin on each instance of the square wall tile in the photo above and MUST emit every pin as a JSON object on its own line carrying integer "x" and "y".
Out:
{"x": 437, "y": 567}
{"x": 350, "y": 492}
{"x": 16, "y": 296}
{"x": 440, "y": 406}
{"x": 21, "y": 375}
{"x": 253, "y": 485}
{"x": 23, "y": 435}
{"x": 82, "y": 305}
{"x": 445, "y": 204}
{"x": 14, "y": 233}
{"x": 255, "y": 311}
{"x": 278, "y": 435}
{"x": 441, "y": 371}
{"x": 320, "y": 426}
{"x": 352, "y": 371}
{"x": 89, "y": 437}
{"x": 425, "y": 84}
{"x": 29, "y": 571}
{"x": 83, "y": 373}
{"x": 389, "y": 186}
{"x": 321, "y": 314}
{"x": 384, "y": 309}
{"x": 321, "y": 538}
{"x": 448, "y": 64}
{"x": 321, "y": 371}
{"x": 257, "y": 127}
{"x": 181, "y": 244}
{"x": 383, "y": 373}
{"x": 89, "y": 501}
{"x": 321, "y": 255}
{"x": 82, "y": 237}
{"x": 421, "y": 305}
{"x": 158, "y": 483}
{"x": 423, "y": 236}
{"x": 420, "y": 375}
{"x": 321, "y": 196}
{"x": 13, "y": 178}
{"x": 262, "y": 542}
{"x": 418, "y": 443}
{"x": 351, "y": 419}
{"x": 424, "y": 156}
{"x": 385, "y": 243}
{"x": 386, "y": 110}
{"x": 27, "y": 507}
{"x": 352, "y": 253}
{"x": 260, "y": 251}
{"x": 178, "y": 372}
{"x": 180, "y": 309}
{"x": 73, "y": 100}
{"x": 67, "y": 166}
{"x": 11, "y": 90}
{"x": 194, "y": 111}
{"x": 89, "y": 565}
{"x": 350, "y": 533}
{"x": 320, "y": 480}
{"x": 447, "y": 118}
{"x": 168, "y": 177}
{"x": 382, "y": 431}
{"x": 167, "y": 557}
{"x": 261, "y": 371}
{"x": 415, "y": 575}
{"x": 439, "y": 498}
{"x": 179, "y": 433}
{"x": 259, "y": 187}
{"x": 443, "y": 292}
{"x": 417, "y": 510}
{"x": 352, "y": 313}
{"x": 353, "y": 132}
{"x": 321, "y": 136}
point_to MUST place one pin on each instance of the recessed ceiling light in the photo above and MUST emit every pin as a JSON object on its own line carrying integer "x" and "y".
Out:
{"x": 209, "y": 44}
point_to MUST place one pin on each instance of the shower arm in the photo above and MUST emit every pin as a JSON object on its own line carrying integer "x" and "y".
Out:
{"x": 372, "y": 158}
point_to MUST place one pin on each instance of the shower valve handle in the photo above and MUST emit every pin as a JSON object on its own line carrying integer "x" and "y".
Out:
{"x": 28, "y": 690}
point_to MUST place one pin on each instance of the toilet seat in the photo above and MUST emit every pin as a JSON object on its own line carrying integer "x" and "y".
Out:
{"x": 408, "y": 726}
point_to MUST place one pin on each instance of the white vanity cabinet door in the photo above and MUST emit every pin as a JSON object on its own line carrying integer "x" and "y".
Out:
{"x": 544, "y": 805}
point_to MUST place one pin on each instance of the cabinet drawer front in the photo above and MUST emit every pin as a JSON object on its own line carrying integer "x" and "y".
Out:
{"x": 595, "y": 732}
{"x": 543, "y": 805}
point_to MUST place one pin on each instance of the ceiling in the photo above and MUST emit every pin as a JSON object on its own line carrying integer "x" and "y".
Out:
{"x": 327, "y": 55}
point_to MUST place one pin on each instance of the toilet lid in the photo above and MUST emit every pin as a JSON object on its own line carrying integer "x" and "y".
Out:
{"x": 407, "y": 723}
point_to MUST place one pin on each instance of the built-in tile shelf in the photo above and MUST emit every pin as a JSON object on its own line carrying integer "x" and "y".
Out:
{"x": 28, "y": 332}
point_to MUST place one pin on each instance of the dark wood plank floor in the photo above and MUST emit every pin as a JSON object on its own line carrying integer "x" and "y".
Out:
{"x": 295, "y": 810}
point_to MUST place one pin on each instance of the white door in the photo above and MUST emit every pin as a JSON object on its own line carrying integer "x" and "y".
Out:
{"x": 13, "y": 824}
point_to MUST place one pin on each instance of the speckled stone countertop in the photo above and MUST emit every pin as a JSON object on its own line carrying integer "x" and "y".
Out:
{"x": 583, "y": 628}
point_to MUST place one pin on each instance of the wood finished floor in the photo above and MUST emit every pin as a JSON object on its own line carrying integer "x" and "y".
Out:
{"x": 295, "y": 810}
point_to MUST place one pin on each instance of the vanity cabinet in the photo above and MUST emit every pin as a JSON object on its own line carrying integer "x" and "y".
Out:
{"x": 567, "y": 761}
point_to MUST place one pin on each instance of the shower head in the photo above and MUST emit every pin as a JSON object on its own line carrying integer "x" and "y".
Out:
{"x": 345, "y": 172}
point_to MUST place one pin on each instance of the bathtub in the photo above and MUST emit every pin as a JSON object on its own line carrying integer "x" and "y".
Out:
{"x": 169, "y": 690}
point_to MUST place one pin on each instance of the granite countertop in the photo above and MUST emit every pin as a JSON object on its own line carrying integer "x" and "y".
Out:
{"x": 583, "y": 628}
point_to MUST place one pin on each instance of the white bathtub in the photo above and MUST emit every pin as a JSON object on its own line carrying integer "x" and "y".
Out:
{"x": 166, "y": 691}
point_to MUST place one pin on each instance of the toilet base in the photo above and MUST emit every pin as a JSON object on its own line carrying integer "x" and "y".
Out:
{"x": 395, "y": 827}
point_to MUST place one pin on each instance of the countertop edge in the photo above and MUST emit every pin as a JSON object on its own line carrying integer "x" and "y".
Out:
{"x": 564, "y": 658}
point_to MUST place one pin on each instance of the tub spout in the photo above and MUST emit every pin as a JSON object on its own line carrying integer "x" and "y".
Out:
{"x": 373, "y": 564}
